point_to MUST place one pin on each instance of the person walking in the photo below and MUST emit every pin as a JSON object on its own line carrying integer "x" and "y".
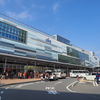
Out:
{"x": 43, "y": 76}
{"x": 97, "y": 77}
{"x": 24, "y": 75}
{"x": 3, "y": 76}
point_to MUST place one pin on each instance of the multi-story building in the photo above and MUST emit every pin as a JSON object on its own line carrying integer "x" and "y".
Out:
{"x": 22, "y": 45}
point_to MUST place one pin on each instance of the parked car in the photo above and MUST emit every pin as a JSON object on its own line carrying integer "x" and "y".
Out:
{"x": 91, "y": 77}
{"x": 52, "y": 76}
{"x": 60, "y": 73}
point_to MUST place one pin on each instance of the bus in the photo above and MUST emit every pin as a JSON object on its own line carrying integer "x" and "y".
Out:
{"x": 60, "y": 73}
{"x": 78, "y": 73}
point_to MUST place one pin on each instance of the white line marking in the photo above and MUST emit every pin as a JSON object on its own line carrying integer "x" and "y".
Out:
{"x": 2, "y": 92}
{"x": 94, "y": 83}
{"x": 37, "y": 82}
{"x": 0, "y": 98}
{"x": 30, "y": 83}
{"x": 47, "y": 88}
{"x": 19, "y": 86}
{"x": 12, "y": 85}
{"x": 58, "y": 82}
{"x": 70, "y": 85}
{"x": 6, "y": 88}
{"x": 42, "y": 81}
{"x": 52, "y": 92}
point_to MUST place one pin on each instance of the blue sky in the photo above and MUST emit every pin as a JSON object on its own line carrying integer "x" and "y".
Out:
{"x": 76, "y": 20}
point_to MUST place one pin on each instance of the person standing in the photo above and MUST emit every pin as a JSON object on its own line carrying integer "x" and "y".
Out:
{"x": 97, "y": 77}
{"x": 24, "y": 75}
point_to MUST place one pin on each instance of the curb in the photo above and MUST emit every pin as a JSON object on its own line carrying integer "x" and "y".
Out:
{"x": 18, "y": 83}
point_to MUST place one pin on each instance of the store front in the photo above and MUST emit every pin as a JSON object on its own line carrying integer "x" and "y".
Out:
{"x": 15, "y": 68}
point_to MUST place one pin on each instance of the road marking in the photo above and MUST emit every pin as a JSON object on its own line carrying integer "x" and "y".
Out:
{"x": 47, "y": 88}
{"x": 53, "y": 92}
{"x": 30, "y": 83}
{"x": 58, "y": 82}
{"x": 42, "y": 81}
{"x": 70, "y": 85}
{"x": 95, "y": 84}
{"x": 0, "y": 98}
{"x": 37, "y": 82}
{"x": 12, "y": 85}
{"x": 2, "y": 92}
{"x": 19, "y": 86}
{"x": 6, "y": 88}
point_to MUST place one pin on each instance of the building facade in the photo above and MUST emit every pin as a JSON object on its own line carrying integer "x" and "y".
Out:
{"x": 22, "y": 40}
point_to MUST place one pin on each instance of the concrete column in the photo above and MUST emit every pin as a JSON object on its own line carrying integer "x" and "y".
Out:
{"x": 34, "y": 69}
{"x": 5, "y": 64}
{"x": 54, "y": 66}
{"x": 67, "y": 71}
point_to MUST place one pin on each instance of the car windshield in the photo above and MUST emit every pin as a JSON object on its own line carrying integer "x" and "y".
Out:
{"x": 50, "y": 73}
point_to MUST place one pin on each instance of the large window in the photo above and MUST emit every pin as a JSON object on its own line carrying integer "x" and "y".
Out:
{"x": 70, "y": 60}
{"x": 78, "y": 54}
{"x": 12, "y": 33}
{"x": 61, "y": 39}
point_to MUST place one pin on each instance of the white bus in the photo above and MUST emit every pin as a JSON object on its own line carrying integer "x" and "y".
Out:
{"x": 79, "y": 73}
{"x": 60, "y": 73}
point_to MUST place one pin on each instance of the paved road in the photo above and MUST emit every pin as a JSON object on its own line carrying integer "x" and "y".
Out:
{"x": 53, "y": 90}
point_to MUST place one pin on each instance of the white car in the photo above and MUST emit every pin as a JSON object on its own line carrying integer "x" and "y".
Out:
{"x": 60, "y": 73}
{"x": 91, "y": 77}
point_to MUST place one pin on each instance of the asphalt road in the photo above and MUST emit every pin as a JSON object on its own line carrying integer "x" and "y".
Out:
{"x": 51, "y": 90}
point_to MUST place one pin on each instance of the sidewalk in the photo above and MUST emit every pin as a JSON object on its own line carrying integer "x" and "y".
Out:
{"x": 17, "y": 81}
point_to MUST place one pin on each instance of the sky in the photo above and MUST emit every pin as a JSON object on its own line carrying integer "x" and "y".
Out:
{"x": 75, "y": 20}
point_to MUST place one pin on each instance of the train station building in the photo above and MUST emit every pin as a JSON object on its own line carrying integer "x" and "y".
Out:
{"x": 23, "y": 47}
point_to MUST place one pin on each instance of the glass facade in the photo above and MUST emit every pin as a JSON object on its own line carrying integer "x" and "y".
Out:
{"x": 76, "y": 53}
{"x": 70, "y": 60}
{"x": 13, "y": 33}
{"x": 61, "y": 39}
{"x": 33, "y": 43}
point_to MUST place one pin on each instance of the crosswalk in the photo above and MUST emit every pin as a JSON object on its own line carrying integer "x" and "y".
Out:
{"x": 95, "y": 84}
{"x": 51, "y": 90}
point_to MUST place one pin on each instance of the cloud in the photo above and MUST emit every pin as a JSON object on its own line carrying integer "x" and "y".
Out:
{"x": 37, "y": 6}
{"x": 2, "y": 2}
{"x": 22, "y": 15}
{"x": 55, "y": 7}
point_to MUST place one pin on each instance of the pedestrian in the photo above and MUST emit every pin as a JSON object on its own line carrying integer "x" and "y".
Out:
{"x": 24, "y": 75}
{"x": 11, "y": 75}
{"x": 43, "y": 76}
{"x": 21, "y": 75}
{"x": 31, "y": 75}
{"x": 3, "y": 75}
{"x": 18, "y": 75}
{"x": 97, "y": 77}
{"x": 6, "y": 75}
{"x": 47, "y": 77}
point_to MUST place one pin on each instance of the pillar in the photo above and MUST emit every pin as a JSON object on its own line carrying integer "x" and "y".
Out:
{"x": 5, "y": 64}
